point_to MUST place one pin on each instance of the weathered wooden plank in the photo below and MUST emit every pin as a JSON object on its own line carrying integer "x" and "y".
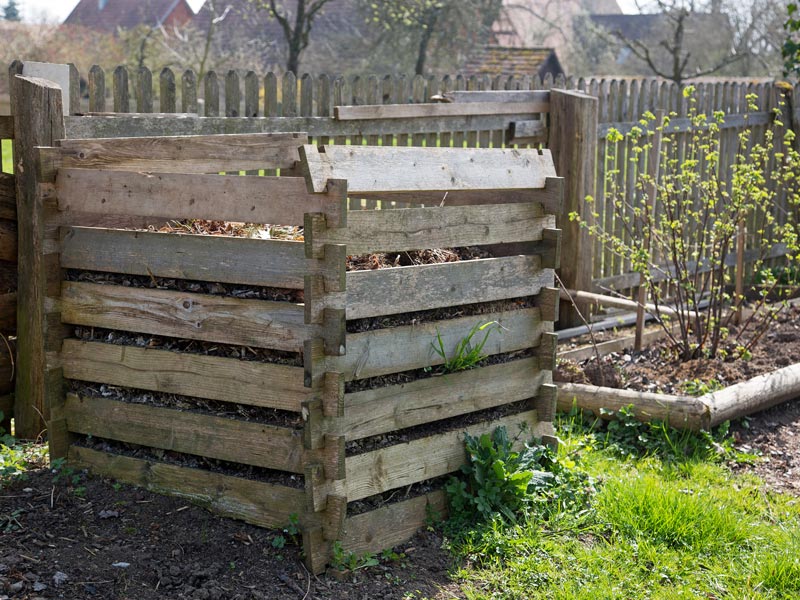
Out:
{"x": 276, "y": 200}
{"x": 385, "y": 291}
{"x": 8, "y": 197}
{"x": 527, "y": 132}
{"x": 397, "y": 349}
{"x": 7, "y": 407}
{"x": 505, "y": 96}
{"x": 436, "y": 110}
{"x": 8, "y": 240}
{"x": 8, "y": 312}
{"x": 276, "y": 325}
{"x": 6, "y": 127}
{"x": 385, "y": 409}
{"x": 270, "y": 263}
{"x": 182, "y": 154}
{"x": 144, "y": 125}
{"x": 404, "y": 464}
{"x": 371, "y": 169}
{"x": 221, "y": 438}
{"x": 368, "y": 532}
{"x": 168, "y": 91}
{"x": 211, "y": 377}
{"x": 255, "y": 502}
{"x": 418, "y": 228}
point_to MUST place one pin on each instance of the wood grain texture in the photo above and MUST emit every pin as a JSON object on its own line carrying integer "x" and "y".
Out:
{"x": 527, "y": 132}
{"x": 254, "y": 502}
{"x": 547, "y": 196}
{"x": 404, "y": 464}
{"x": 183, "y": 154}
{"x": 276, "y": 325}
{"x": 368, "y": 532}
{"x": 397, "y": 349}
{"x": 371, "y": 231}
{"x": 385, "y": 169}
{"x": 8, "y": 197}
{"x": 272, "y": 263}
{"x": 8, "y": 312}
{"x": 385, "y": 409}
{"x": 506, "y": 96}
{"x": 182, "y": 431}
{"x": 8, "y": 241}
{"x": 275, "y": 200}
{"x": 436, "y": 110}
{"x": 211, "y": 377}
{"x": 385, "y": 291}
{"x": 6, "y": 127}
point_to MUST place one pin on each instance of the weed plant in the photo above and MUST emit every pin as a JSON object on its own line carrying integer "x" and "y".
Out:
{"x": 465, "y": 355}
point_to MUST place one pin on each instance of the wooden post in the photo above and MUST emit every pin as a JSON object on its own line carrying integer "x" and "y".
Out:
{"x": 39, "y": 121}
{"x": 573, "y": 141}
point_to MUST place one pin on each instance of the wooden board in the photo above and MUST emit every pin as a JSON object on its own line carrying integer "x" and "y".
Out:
{"x": 275, "y": 200}
{"x": 371, "y": 231}
{"x": 8, "y": 241}
{"x": 385, "y": 409}
{"x": 385, "y": 291}
{"x": 272, "y": 263}
{"x": 6, "y": 127}
{"x": 506, "y": 96}
{"x": 7, "y": 406}
{"x": 182, "y": 154}
{"x": 191, "y": 433}
{"x": 140, "y": 125}
{"x": 212, "y": 377}
{"x": 387, "y": 168}
{"x": 404, "y": 464}
{"x": 368, "y": 532}
{"x": 226, "y": 320}
{"x": 549, "y": 196}
{"x": 8, "y": 312}
{"x": 436, "y": 110}
{"x": 255, "y": 502}
{"x": 8, "y": 197}
{"x": 397, "y": 349}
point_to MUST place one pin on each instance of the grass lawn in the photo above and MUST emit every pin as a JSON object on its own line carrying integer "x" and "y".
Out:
{"x": 7, "y": 165}
{"x": 667, "y": 520}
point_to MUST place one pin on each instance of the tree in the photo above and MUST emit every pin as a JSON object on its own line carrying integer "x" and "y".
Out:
{"x": 296, "y": 27}
{"x": 422, "y": 25}
{"x": 11, "y": 11}
{"x": 791, "y": 46}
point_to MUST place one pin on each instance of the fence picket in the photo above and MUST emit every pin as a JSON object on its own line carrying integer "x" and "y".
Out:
{"x": 189, "y": 92}
{"x": 168, "y": 101}
{"x": 144, "y": 90}
{"x": 251, "y": 94}
{"x": 233, "y": 94}
{"x": 211, "y": 94}
{"x": 97, "y": 89}
{"x": 122, "y": 98}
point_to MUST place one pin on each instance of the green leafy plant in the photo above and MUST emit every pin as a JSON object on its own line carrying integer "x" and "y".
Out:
{"x": 465, "y": 355}
{"x": 679, "y": 225}
{"x": 500, "y": 482}
{"x": 290, "y": 532}
{"x": 698, "y": 387}
{"x": 342, "y": 560}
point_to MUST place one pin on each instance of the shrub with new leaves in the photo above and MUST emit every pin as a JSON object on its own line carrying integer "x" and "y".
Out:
{"x": 691, "y": 202}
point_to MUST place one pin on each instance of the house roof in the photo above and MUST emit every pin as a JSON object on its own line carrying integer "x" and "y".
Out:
{"x": 504, "y": 60}
{"x": 110, "y": 15}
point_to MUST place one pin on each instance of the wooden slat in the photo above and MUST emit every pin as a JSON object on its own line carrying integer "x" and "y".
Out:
{"x": 211, "y": 377}
{"x": 371, "y": 169}
{"x": 550, "y": 196}
{"x": 368, "y": 532}
{"x": 183, "y": 154}
{"x": 6, "y": 127}
{"x": 234, "y": 441}
{"x": 385, "y": 291}
{"x": 385, "y": 409}
{"x": 141, "y": 125}
{"x": 8, "y": 240}
{"x": 270, "y": 263}
{"x": 418, "y": 228}
{"x": 276, "y": 200}
{"x": 7, "y": 406}
{"x": 404, "y": 464}
{"x": 8, "y": 197}
{"x": 416, "y": 111}
{"x": 527, "y": 132}
{"x": 8, "y": 312}
{"x": 276, "y": 325}
{"x": 504, "y": 96}
{"x": 255, "y": 502}
{"x": 397, "y": 349}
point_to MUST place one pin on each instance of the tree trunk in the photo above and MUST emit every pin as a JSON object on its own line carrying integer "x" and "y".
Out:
{"x": 425, "y": 40}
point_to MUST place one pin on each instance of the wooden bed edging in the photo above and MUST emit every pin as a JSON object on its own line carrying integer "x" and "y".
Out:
{"x": 686, "y": 412}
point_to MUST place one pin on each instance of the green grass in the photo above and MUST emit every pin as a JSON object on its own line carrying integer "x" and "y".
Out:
{"x": 669, "y": 521}
{"x": 7, "y": 163}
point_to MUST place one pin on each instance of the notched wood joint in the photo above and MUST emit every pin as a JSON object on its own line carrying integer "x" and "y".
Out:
{"x": 548, "y": 303}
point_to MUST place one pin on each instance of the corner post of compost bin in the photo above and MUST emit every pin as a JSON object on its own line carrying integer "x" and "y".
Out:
{"x": 36, "y": 105}
{"x": 325, "y": 298}
{"x": 573, "y": 142}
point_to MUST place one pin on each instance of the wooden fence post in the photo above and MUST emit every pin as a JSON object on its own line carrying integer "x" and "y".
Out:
{"x": 39, "y": 121}
{"x": 573, "y": 142}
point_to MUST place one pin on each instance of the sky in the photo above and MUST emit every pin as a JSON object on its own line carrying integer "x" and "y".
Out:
{"x": 53, "y": 11}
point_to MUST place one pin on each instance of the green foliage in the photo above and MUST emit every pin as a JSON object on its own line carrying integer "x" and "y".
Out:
{"x": 679, "y": 224}
{"x": 698, "y": 387}
{"x": 465, "y": 356}
{"x": 791, "y": 45}
{"x": 290, "y": 532}
{"x": 500, "y": 482}
{"x": 15, "y": 457}
{"x": 342, "y": 560}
